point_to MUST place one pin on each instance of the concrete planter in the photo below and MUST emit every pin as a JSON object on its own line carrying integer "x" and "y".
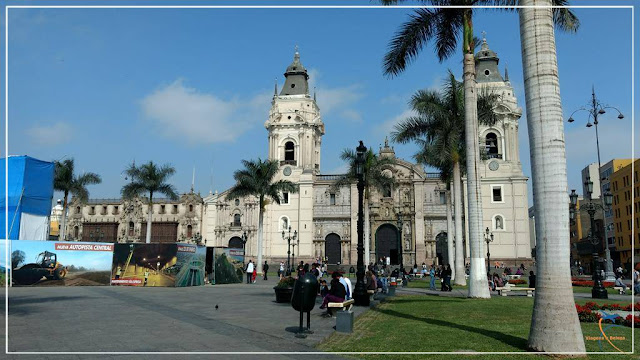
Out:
{"x": 283, "y": 295}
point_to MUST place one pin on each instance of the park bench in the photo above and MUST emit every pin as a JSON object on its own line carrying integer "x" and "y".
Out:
{"x": 620, "y": 289}
{"x": 346, "y": 305}
{"x": 372, "y": 295}
{"x": 344, "y": 318}
{"x": 502, "y": 291}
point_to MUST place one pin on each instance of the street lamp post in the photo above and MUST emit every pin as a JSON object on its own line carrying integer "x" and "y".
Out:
{"x": 360, "y": 295}
{"x": 488, "y": 238}
{"x": 244, "y": 242}
{"x": 400, "y": 224}
{"x": 598, "y": 291}
{"x": 289, "y": 238}
{"x": 293, "y": 254}
{"x": 596, "y": 108}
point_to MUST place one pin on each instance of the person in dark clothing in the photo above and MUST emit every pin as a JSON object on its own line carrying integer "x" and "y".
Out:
{"x": 532, "y": 280}
{"x": 446, "y": 278}
{"x": 324, "y": 289}
{"x": 265, "y": 268}
{"x": 337, "y": 293}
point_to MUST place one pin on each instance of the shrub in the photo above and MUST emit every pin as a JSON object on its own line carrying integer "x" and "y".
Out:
{"x": 286, "y": 282}
{"x": 607, "y": 284}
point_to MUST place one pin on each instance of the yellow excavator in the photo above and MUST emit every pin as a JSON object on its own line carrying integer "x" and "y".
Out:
{"x": 46, "y": 265}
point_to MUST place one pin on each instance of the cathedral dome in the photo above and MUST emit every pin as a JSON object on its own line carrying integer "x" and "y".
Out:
{"x": 296, "y": 78}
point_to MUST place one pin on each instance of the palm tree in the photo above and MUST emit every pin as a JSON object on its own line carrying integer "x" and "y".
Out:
{"x": 443, "y": 26}
{"x": 439, "y": 131}
{"x": 374, "y": 178}
{"x": 149, "y": 178}
{"x": 65, "y": 181}
{"x": 554, "y": 325}
{"x": 257, "y": 179}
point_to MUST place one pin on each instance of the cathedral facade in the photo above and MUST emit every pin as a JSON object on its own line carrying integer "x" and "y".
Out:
{"x": 407, "y": 222}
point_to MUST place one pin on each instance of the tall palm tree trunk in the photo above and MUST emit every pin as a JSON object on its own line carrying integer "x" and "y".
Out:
{"x": 260, "y": 236}
{"x": 62, "y": 234}
{"x": 478, "y": 274}
{"x": 450, "y": 238}
{"x": 457, "y": 199}
{"x": 367, "y": 234}
{"x": 149, "y": 214}
{"x": 554, "y": 325}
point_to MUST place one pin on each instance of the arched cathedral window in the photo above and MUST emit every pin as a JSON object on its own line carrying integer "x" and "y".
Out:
{"x": 491, "y": 143}
{"x": 288, "y": 151}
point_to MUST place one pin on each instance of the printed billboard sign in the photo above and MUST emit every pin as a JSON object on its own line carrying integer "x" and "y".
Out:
{"x": 144, "y": 264}
{"x": 190, "y": 265}
{"x": 158, "y": 265}
{"x": 227, "y": 266}
{"x": 54, "y": 263}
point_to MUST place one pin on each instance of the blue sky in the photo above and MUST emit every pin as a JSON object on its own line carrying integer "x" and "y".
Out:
{"x": 192, "y": 87}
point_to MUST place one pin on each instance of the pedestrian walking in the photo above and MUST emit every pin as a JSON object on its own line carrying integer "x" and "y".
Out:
{"x": 146, "y": 276}
{"x": 281, "y": 270}
{"x": 249, "y": 269}
{"x": 432, "y": 278}
{"x": 265, "y": 268}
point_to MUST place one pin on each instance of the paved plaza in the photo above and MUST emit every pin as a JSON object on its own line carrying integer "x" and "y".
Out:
{"x": 117, "y": 319}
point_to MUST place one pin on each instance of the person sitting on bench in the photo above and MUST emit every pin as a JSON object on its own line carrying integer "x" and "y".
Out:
{"x": 620, "y": 283}
{"x": 337, "y": 293}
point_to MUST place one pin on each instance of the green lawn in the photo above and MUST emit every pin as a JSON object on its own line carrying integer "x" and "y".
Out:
{"x": 432, "y": 323}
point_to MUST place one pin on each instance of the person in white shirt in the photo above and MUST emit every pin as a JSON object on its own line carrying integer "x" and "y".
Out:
{"x": 347, "y": 285}
{"x": 281, "y": 270}
{"x": 249, "y": 271}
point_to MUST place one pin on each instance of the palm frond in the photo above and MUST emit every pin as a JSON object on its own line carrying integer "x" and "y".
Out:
{"x": 407, "y": 43}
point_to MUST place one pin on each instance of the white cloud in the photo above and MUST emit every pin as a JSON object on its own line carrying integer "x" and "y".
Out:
{"x": 387, "y": 127}
{"x": 336, "y": 100}
{"x": 50, "y": 134}
{"x": 177, "y": 111}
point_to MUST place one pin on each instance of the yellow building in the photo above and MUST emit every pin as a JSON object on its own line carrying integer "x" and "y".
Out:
{"x": 625, "y": 222}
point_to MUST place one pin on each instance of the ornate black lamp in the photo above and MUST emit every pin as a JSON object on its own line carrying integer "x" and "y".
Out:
{"x": 360, "y": 292}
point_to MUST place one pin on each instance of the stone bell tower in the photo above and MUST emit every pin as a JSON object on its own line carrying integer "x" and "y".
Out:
{"x": 504, "y": 186}
{"x": 295, "y": 130}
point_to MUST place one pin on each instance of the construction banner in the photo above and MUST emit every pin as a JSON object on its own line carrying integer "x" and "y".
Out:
{"x": 54, "y": 263}
{"x": 227, "y": 266}
{"x": 144, "y": 264}
{"x": 190, "y": 265}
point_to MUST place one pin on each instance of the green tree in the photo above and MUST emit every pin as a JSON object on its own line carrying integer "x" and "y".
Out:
{"x": 439, "y": 130}
{"x": 257, "y": 179}
{"x": 443, "y": 27}
{"x": 374, "y": 179}
{"x": 152, "y": 179}
{"x": 555, "y": 325}
{"x": 66, "y": 181}
{"x": 17, "y": 257}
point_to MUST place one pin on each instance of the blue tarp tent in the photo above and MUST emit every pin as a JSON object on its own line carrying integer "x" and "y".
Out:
{"x": 30, "y": 190}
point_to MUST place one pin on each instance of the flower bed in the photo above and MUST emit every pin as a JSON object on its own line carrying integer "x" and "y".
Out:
{"x": 517, "y": 281}
{"x": 607, "y": 284}
{"x": 586, "y": 313}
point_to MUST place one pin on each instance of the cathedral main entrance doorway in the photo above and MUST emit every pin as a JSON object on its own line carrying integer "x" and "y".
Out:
{"x": 442, "y": 250}
{"x": 387, "y": 238}
{"x": 235, "y": 243}
{"x": 332, "y": 248}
